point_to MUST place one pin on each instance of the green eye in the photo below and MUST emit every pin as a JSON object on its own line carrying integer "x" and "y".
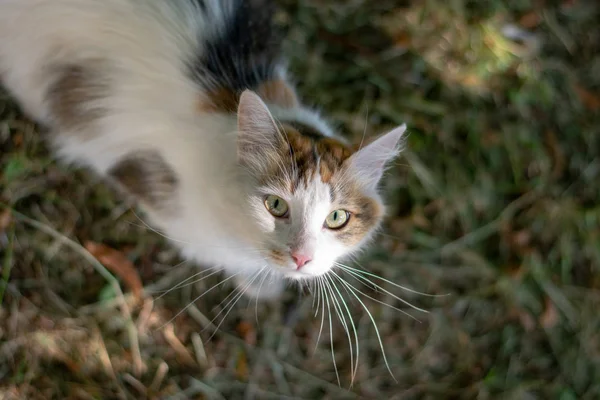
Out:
{"x": 337, "y": 219}
{"x": 276, "y": 206}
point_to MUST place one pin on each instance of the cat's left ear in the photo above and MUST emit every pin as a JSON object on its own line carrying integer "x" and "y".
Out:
{"x": 258, "y": 137}
{"x": 370, "y": 162}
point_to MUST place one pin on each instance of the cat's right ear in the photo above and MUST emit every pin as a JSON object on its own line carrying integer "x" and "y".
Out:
{"x": 258, "y": 137}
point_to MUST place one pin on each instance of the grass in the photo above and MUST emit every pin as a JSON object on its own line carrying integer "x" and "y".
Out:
{"x": 495, "y": 201}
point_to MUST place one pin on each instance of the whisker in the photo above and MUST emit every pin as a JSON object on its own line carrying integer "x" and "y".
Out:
{"x": 267, "y": 273}
{"x": 322, "y": 296}
{"x": 357, "y": 276}
{"x": 318, "y": 296}
{"x": 235, "y": 300}
{"x": 341, "y": 317}
{"x": 379, "y": 301}
{"x": 337, "y": 375}
{"x": 374, "y": 325}
{"x": 362, "y": 271}
{"x": 196, "y": 299}
{"x": 147, "y": 226}
{"x": 355, "y": 366}
{"x": 183, "y": 283}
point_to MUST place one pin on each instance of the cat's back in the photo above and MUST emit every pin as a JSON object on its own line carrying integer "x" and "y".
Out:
{"x": 166, "y": 44}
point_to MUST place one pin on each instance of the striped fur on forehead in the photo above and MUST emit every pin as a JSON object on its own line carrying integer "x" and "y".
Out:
{"x": 308, "y": 153}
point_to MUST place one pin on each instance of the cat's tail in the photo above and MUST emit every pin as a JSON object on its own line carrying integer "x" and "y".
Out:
{"x": 242, "y": 47}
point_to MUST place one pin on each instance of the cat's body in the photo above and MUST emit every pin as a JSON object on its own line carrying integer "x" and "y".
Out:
{"x": 147, "y": 93}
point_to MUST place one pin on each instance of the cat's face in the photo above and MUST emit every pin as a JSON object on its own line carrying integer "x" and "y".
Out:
{"x": 315, "y": 200}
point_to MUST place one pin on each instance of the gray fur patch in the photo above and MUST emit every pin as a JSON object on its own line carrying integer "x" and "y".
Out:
{"x": 75, "y": 95}
{"x": 147, "y": 176}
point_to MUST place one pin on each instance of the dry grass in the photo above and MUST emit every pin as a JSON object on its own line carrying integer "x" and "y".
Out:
{"x": 496, "y": 201}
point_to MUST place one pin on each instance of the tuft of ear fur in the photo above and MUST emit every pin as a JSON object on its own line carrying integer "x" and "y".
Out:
{"x": 258, "y": 137}
{"x": 369, "y": 162}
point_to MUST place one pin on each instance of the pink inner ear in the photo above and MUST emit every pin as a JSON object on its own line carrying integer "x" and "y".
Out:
{"x": 370, "y": 161}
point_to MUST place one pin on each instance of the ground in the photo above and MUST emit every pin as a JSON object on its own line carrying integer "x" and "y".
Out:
{"x": 494, "y": 208}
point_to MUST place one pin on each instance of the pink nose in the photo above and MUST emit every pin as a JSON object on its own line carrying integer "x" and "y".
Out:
{"x": 301, "y": 259}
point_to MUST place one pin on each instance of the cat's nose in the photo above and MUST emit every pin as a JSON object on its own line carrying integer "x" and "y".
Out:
{"x": 301, "y": 259}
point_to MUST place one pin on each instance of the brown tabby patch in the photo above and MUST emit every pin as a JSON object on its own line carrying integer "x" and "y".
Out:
{"x": 220, "y": 101}
{"x": 225, "y": 100}
{"x": 307, "y": 146}
{"x": 74, "y": 95}
{"x": 303, "y": 153}
{"x": 147, "y": 176}
{"x": 278, "y": 92}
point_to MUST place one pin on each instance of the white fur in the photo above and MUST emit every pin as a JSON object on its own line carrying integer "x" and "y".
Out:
{"x": 220, "y": 218}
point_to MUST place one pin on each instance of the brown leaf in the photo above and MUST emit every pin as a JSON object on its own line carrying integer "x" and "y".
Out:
{"x": 530, "y": 20}
{"x": 246, "y": 330}
{"x": 117, "y": 263}
{"x": 549, "y": 317}
{"x": 590, "y": 100}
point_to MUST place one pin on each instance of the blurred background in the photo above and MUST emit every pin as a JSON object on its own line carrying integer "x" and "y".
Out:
{"x": 494, "y": 206}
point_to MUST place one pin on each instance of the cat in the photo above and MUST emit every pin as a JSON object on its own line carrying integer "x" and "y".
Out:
{"x": 186, "y": 106}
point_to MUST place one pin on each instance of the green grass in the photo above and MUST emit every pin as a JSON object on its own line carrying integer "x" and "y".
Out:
{"x": 495, "y": 202}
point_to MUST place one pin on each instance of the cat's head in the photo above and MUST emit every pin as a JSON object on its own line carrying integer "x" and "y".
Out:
{"x": 315, "y": 200}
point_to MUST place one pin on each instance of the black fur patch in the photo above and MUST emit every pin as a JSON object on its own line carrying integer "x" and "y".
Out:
{"x": 246, "y": 52}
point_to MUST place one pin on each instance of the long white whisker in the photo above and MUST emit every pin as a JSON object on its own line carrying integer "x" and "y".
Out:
{"x": 374, "y": 325}
{"x": 267, "y": 273}
{"x": 379, "y": 301}
{"x": 322, "y": 296}
{"x": 360, "y": 277}
{"x": 318, "y": 296}
{"x": 197, "y": 298}
{"x": 183, "y": 283}
{"x": 362, "y": 271}
{"x": 338, "y": 310}
{"x": 235, "y": 300}
{"x": 355, "y": 369}
{"x": 337, "y": 375}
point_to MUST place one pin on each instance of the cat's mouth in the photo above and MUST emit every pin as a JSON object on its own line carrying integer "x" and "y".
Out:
{"x": 284, "y": 264}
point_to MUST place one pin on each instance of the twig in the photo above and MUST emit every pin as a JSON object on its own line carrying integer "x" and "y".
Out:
{"x": 159, "y": 377}
{"x": 175, "y": 343}
{"x": 107, "y": 363}
{"x": 136, "y": 384}
{"x": 199, "y": 350}
{"x": 138, "y": 364}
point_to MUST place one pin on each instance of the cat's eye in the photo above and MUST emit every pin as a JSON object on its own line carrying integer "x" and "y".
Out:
{"x": 337, "y": 219}
{"x": 277, "y": 206}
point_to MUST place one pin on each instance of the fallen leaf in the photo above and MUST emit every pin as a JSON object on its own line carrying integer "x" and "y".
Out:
{"x": 549, "y": 317}
{"x": 530, "y": 20}
{"x": 590, "y": 100}
{"x": 117, "y": 263}
{"x": 246, "y": 330}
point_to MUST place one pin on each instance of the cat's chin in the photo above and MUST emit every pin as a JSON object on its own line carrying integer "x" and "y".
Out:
{"x": 295, "y": 275}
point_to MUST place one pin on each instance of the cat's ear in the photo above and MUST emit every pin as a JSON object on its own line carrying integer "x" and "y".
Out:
{"x": 258, "y": 137}
{"x": 370, "y": 162}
